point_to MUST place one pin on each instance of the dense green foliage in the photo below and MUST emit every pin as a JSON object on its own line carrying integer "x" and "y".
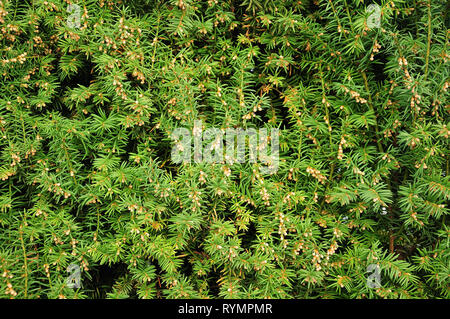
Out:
{"x": 86, "y": 115}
